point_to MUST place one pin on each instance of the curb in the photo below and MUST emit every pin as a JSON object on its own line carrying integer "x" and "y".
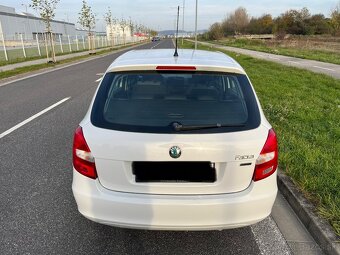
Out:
{"x": 319, "y": 228}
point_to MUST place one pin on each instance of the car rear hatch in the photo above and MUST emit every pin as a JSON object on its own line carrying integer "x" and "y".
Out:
{"x": 208, "y": 164}
{"x": 175, "y": 131}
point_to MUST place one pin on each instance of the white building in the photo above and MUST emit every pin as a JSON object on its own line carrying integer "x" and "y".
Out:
{"x": 14, "y": 25}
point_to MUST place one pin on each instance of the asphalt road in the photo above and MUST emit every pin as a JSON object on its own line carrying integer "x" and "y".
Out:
{"x": 38, "y": 214}
{"x": 330, "y": 69}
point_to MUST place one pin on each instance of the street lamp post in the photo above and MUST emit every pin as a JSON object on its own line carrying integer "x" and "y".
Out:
{"x": 183, "y": 23}
{"x": 196, "y": 26}
{"x": 65, "y": 26}
{"x": 28, "y": 24}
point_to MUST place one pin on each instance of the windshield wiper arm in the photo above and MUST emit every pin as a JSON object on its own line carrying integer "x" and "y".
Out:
{"x": 180, "y": 127}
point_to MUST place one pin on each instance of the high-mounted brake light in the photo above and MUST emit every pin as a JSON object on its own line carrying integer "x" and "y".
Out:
{"x": 83, "y": 161}
{"x": 266, "y": 163}
{"x": 176, "y": 68}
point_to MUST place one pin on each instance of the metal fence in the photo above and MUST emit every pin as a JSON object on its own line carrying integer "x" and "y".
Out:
{"x": 16, "y": 47}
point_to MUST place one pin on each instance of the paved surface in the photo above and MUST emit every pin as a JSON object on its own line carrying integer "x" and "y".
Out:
{"x": 296, "y": 235}
{"x": 38, "y": 211}
{"x": 311, "y": 65}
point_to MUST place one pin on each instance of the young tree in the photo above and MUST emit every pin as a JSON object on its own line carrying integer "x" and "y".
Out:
{"x": 109, "y": 22}
{"x": 88, "y": 20}
{"x": 293, "y": 22}
{"x": 228, "y": 25}
{"x": 132, "y": 27}
{"x": 236, "y": 22}
{"x": 123, "y": 24}
{"x": 266, "y": 22}
{"x": 241, "y": 19}
{"x": 261, "y": 25}
{"x": 152, "y": 32}
{"x": 215, "y": 31}
{"x": 335, "y": 20}
{"x": 318, "y": 25}
{"x": 46, "y": 9}
{"x": 142, "y": 28}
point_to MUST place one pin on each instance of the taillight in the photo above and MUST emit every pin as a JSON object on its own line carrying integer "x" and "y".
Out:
{"x": 267, "y": 162}
{"x": 83, "y": 161}
{"x": 176, "y": 68}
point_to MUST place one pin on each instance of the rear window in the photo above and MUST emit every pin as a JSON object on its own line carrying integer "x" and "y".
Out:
{"x": 152, "y": 102}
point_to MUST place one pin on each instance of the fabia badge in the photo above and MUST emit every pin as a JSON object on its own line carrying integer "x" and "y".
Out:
{"x": 175, "y": 152}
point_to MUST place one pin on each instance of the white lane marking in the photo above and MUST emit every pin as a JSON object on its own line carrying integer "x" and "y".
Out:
{"x": 99, "y": 74}
{"x": 32, "y": 118}
{"x": 156, "y": 45}
{"x": 324, "y": 68}
{"x": 294, "y": 62}
{"x": 52, "y": 70}
{"x": 266, "y": 233}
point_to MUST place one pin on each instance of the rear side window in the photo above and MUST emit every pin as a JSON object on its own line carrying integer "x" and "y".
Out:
{"x": 152, "y": 102}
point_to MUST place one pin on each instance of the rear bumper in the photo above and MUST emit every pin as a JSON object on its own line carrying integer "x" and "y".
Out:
{"x": 174, "y": 212}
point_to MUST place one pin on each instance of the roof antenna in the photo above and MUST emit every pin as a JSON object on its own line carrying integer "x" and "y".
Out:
{"x": 176, "y": 53}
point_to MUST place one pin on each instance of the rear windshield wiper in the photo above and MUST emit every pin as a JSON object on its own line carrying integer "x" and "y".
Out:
{"x": 180, "y": 127}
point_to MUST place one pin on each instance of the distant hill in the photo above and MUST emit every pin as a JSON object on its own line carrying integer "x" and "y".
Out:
{"x": 172, "y": 32}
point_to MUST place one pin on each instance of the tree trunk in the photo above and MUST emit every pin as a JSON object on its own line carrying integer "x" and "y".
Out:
{"x": 52, "y": 47}
{"x": 46, "y": 46}
{"x": 94, "y": 43}
{"x": 50, "y": 38}
{"x": 91, "y": 44}
{"x": 111, "y": 36}
{"x": 89, "y": 41}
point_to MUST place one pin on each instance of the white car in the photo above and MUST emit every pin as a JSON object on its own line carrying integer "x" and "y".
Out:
{"x": 175, "y": 143}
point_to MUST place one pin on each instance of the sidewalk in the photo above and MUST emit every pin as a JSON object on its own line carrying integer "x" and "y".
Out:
{"x": 332, "y": 70}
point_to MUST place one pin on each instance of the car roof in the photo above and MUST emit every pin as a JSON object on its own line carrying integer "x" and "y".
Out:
{"x": 152, "y": 58}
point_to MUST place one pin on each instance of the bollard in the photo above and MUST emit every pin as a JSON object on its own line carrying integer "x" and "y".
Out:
{"x": 36, "y": 37}
{"x": 69, "y": 43}
{"x": 61, "y": 45}
{"x": 83, "y": 42}
{"x": 23, "y": 47}
{"x": 4, "y": 46}
{"x": 77, "y": 42}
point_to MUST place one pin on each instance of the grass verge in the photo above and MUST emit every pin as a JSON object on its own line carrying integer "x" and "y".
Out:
{"x": 28, "y": 69}
{"x": 258, "y": 45}
{"x": 16, "y": 55}
{"x": 304, "y": 109}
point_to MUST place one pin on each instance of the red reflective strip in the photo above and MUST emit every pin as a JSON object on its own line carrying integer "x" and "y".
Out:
{"x": 184, "y": 68}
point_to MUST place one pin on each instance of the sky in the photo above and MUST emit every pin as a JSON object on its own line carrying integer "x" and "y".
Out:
{"x": 161, "y": 14}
